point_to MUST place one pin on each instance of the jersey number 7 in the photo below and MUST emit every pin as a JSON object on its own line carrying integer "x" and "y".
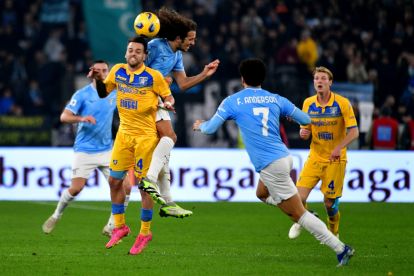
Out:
{"x": 257, "y": 111}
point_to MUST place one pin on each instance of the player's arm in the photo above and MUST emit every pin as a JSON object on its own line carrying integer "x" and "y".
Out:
{"x": 185, "y": 82}
{"x": 351, "y": 135}
{"x": 352, "y": 131}
{"x": 162, "y": 89}
{"x": 210, "y": 126}
{"x": 305, "y": 130}
{"x": 103, "y": 87}
{"x": 223, "y": 113}
{"x": 69, "y": 117}
{"x": 304, "y": 120}
{"x": 169, "y": 102}
{"x": 300, "y": 117}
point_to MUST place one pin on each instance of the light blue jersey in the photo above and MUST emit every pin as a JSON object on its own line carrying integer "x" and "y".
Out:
{"x": 257, "y": 112}
{"x": 93, "y": 138}
{"x": 162, "y": 58}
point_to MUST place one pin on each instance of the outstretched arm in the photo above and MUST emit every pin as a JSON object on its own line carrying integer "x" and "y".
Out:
{"x": 185, "y": 82}
{"x": 210, "y": 126}
{"x": 300, "y": 117}
{"x": 69, "y": 117}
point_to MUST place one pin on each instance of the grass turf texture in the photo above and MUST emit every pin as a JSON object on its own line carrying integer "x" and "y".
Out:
{"x": 219, "y": 239}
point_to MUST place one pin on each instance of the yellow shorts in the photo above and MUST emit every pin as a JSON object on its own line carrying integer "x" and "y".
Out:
{"x": 133, "y": 152}
{"x": 331, "y": 174}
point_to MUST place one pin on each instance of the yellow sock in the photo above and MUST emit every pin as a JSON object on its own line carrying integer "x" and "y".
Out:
{"x": 333, "y": 223}
{"x": 119, "y": 220}
{"x": 145, "y": 227}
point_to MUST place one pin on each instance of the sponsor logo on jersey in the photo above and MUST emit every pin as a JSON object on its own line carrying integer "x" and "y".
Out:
{"x": 118, "y": 77}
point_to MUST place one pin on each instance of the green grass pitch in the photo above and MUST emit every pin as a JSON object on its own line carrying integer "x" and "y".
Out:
{"x": 219, "y": 239}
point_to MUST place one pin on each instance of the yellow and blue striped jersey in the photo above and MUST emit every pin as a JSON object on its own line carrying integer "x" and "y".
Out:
{"x": 329, "y": 125}
{"x": 137, "y": 97}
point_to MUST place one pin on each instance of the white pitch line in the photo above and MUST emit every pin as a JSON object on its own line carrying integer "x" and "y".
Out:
{"x": 76, "y": 206}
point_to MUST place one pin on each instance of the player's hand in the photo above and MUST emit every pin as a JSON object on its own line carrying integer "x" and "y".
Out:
{"x": 169, "y": 80}
{"x": 335, "y": 155}
{"x": 88, "y": 119}
{"x": 168, "y": 106}
{"x": 211, "y": 68}
{"x": 304, "y": 133}
{"x": 94, "y": 74}
{"x": 196, "y": 125}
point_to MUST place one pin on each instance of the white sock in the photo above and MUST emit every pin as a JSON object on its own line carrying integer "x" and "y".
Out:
{"x": 319, "y": 230}
{"x": 271, "y": 201}
{"x": 160, "y": 157}
{"x": 64, "y": 200}
{"x": 126, "y": 202}
{"x": 164, "y": 182}
{"x": 111, "y": 221}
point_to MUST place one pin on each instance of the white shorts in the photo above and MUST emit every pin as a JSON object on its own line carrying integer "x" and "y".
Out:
{"x": 276, "y": 177}
{"x": 162, "y": 114}
{"x": 84, "y": 164}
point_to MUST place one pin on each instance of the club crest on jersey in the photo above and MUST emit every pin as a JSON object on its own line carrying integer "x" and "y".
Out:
{"x": 142, "y": 81}
{"x": 334, "y": 110}
{"x": 115, "y": 162}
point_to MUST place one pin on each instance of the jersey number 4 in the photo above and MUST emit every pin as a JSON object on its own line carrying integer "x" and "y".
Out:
{"x": 263, "y": 111}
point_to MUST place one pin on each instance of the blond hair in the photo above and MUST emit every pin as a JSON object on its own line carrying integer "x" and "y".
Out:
{"x": 322, "y": 69}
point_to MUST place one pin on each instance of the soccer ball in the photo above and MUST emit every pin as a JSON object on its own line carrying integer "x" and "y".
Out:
{"x": 147, "y": 24}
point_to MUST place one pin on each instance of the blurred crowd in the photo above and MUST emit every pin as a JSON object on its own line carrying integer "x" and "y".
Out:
{"x": 361, "y": 41}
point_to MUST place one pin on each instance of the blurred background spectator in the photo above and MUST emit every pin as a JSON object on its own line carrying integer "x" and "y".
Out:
{"x": 46, "y": 52}
{"x": 384, "y": 134}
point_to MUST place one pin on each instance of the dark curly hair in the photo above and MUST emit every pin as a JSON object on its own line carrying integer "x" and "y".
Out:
{"x": 173, "y": 24}
{"x": 253, "y": 71}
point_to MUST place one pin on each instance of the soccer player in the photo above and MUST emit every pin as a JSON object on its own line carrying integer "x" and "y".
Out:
{"x": 177, "y": 35}
{"x": 138, "y": 88}
{"x": 333, "y": 127}
{"x": 93, "y": 141}
{"x": 257, "y": 112}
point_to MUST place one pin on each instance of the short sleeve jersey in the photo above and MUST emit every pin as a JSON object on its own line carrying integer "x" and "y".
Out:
{"x": 256, "y": 112}
{"x": 329, "y": 125}
{"x": 162, "y": 58}
{"x": 93, "y": 138}
{"x": 137, "y": 97}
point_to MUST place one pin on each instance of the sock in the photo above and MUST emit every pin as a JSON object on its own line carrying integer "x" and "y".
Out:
{"x": 160, "y": 157}
{"x": 319, "y": 230}
{"x": 271, "y": 201}
{"x": 111, "y": 221}
{"x": 118, "y": 212}
{"x": 146, "y": 218}
{"x": 64, "y": 200}
{"x": 333, "y": 223}
{"x": 164, "y": 182}
{"x": 126, "y": 202}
